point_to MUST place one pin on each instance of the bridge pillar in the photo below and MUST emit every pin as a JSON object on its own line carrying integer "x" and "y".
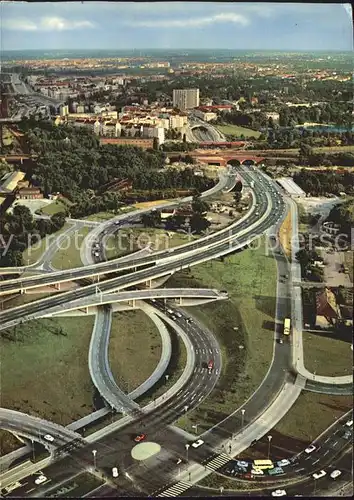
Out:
{"x": 57, "y": 286}
{"x": 180, "y": 301}
{"x": 86, "y": 309}
{"x": 149, "y": 283}
{"x": 131, "y": 302}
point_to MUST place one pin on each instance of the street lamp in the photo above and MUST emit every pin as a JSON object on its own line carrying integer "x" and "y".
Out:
{"x": 187, "y": 448}
{"x": 94, "y": 453}
{"x": 195, "y": 426}
{"x": 167, "y": 377}
{"x": 243, "y": 411}
{"x": 269, "y": 440}
{"x": 221, "y": 490}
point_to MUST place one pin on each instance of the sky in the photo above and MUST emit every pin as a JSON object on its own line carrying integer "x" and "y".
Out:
{"x": 176, "y": 25}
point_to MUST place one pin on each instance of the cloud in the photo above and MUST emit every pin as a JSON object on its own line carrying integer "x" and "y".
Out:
{"x": 196, "y": 22}
{"x": 46, "y": 24}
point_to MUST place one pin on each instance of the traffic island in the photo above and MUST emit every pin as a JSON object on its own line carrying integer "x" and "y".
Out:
{"x": 143, "y": 451}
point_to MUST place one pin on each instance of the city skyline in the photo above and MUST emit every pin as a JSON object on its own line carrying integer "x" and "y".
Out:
{"x": 182, "y": 25}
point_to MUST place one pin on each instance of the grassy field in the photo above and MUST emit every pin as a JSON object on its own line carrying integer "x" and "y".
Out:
{"x": 329, "y": 356}
{"x": 102, "y": 216}
{"x": 285, "y": 234}
{"x": 69, "y": 255}
{"x": 44, "y": 368}
{"x": 33, "y": 253}
{"x": 53, "y": 208}
{"x": 148, "y": 204}
{"x": 8, "y": 442}
{"x": 133, "y": 335}
{"x": 130, "y": 240}
{"x": 236, "y": 130}
{"x": 76, "y": 487}
{"x": 243, "y": 325}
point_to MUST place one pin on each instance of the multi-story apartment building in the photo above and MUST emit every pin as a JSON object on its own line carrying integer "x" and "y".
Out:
{"x": 186, "y": 98}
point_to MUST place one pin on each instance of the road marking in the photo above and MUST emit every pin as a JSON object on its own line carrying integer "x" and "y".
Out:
{"x": 201, "y": 397}
{"x": 335, "y": 442}
{"x": 315, "y": 462}
{"x": 327, "y": 439}
{"x": 299, "y": 470}
{"x": 326, "y": 453}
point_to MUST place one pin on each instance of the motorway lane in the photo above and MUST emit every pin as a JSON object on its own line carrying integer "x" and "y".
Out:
{"x": 12, "y": 285}
{"x": 139, "y": 276}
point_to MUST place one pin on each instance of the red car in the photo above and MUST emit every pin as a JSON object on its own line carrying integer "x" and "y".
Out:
{"x": 139, "y": 438}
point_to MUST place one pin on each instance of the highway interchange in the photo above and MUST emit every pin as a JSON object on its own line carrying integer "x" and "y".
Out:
{"x": 158, "y": 473}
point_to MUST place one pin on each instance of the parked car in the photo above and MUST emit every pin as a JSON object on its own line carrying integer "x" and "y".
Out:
{"x": 115, "y": 472}
{"x": 349, "y": 423}
{"x": 279, "y": 493}
{"x": 318, "y": 475}
{"x": 283, "y": 462}
{"x": 257, "y": 472}
{"x": 242, "y": 463}
{"x": 48, "y": 437}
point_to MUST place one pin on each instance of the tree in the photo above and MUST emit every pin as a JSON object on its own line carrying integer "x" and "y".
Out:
{"x": 198, "y": 223}
{"x": 58, "y": 220}
{"x": 237, "y": 196}
{"x": 198, "y": 205}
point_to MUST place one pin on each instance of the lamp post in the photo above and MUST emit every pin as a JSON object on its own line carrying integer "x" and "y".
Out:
{"x": 221, "y": 490}
{"x": 195, "y": 426}
{"x": 243, "y": 411}
{"x": 167, "y": 377}
{"x": 94, "y": 453}
{"x": 269, "y": 440}
{"x": 187, "y": 448}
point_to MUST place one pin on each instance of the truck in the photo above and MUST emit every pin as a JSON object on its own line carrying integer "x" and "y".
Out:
{"x": 287, "y": 326}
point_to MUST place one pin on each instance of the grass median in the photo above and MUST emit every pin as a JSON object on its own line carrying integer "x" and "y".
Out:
{"x": 243, "y": 326}
{"x": 134, "y": 337}
{"x": 68, "y": 254}
{"x": 130, "y": 240}
{"x": 34, "y": 252}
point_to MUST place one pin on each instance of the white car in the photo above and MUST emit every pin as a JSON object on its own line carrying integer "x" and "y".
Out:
{"x": 198, "y": 443}
{"x": 40, "y": 479}
{"x": 115, "y": 472}
{"x": 48, "y": 437}
{"x": 279, "y": 493}
{"x": 257, "y": 472}
{"x": 310, "y": 448}
{"x": 283, "y": 463}
{"x": 318, "y": 475}
{"x": 242, "y": 463}
{"x": 349, "y": 423}
{"x": 336, "y": 473}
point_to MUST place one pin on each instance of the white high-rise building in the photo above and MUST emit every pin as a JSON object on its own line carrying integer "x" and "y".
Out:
{"x": 186, "y": 98}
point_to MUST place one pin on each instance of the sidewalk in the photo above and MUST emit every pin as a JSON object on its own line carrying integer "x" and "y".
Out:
{"x": 297, "y": 320}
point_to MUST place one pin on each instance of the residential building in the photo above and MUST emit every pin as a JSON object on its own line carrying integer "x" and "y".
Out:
{"x": 29, "y": 193}
{"x": 186, "y": 98}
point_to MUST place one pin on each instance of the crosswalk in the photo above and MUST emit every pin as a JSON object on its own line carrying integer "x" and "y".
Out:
{"x": 182, "y": 486}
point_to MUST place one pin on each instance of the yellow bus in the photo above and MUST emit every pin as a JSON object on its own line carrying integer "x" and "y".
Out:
{"x": 262, "y": 464}
{"x": 287, "y": 326}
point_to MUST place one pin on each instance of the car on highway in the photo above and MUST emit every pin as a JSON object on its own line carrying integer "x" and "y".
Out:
{"x": 283, "y": 462}
{"x": 279, "y": 493}
{"x": 115, "y": 472}
{"x": 310, "y": 448}
{"x": 347, "y": 434}
{"x": 349, "y": 423}
{"x": 336, "y": 473}
{"x": 318, "y": 475}
{"x": 48, "y": 437}
{"x": 139, "y": 438}
{"x": 280, "y": 341}
{"x": 197, "y": 443}
{"x": 40, "y": 479}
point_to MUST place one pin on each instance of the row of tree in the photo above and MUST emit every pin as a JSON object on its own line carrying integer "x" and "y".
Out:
{"x": 20, "y": 230}
{"x": 323, "y": 182}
